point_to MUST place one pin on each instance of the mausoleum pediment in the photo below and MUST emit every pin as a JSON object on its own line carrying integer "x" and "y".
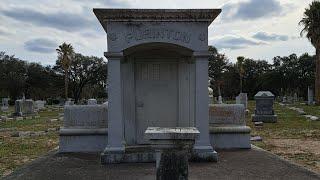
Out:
{"x": 130, "y": 27}
{"x": 180, "y": 15}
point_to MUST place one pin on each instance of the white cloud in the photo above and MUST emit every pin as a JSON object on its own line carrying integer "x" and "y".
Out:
{"x": 82, "y": 29}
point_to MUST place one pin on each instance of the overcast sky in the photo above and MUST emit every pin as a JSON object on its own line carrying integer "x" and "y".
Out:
{"x": 259, "y": 29}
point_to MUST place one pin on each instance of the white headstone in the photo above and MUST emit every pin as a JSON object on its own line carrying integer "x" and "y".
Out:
{"x": 28, "y": 106}
{"x": 92, "y": 101}
{"x": 5, "y": 104}
{"x": 18, "y": 107}
{"x": 69, "y": 103}
{"x": 210, "y": 95}
{"x": 295, "y": 98}
{"x": 238, "y": 100}
{"x": 243, "y": 97}
{"x": 310, "y": 96}
{"x": 220, "y": 100}
{"x": 39, "y": 104}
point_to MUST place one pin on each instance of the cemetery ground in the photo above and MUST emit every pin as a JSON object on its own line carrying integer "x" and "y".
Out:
{"x": 37, "y": 136}
{"x": 293, "y": 137}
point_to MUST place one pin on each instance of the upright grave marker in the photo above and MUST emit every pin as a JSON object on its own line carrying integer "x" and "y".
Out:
{"x": 242, "y": 98}
{"x": 264, "y": 107}
{"x": 18, "y": 107}
{"x": 92, "y": 102}
{"x": 39, "y": 104}
{"x": 5, "y": 104}
{"x": 310, "y": 96}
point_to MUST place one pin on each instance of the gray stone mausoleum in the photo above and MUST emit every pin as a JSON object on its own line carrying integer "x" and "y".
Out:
{"x": 158, "y": 77}
{"x": 158, "y": 73}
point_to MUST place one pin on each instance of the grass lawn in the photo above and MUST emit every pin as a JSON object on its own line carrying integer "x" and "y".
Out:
{"x": 293, "y": 137}
{"x": 15, "y": 151}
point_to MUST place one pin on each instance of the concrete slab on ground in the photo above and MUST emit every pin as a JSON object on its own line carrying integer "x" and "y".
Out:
{"x": 244, "y": 164}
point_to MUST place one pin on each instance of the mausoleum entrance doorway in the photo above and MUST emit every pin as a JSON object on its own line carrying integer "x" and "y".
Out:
{"x": 160, "y": 86}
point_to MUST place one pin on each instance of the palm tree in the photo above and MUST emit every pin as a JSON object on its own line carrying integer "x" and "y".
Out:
{"x": 240, "y": 60}
{"x": 311, "y": 27}
{"x": 65, "y": 56}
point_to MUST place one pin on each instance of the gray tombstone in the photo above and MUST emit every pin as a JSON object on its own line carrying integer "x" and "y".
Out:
{"x": 5, "y": 104}
{"x": 211, "y": 101}
{"x": 284, "y": 99}
{"x": 295, "y": 98}
{"x": 264, "y": 107}
{"x": 39, "y": 104}
{"x": 242, "y": 98}
{"x": 238, "y": 100}
{"x": 69, "y": 102}
{"x": 18, "y": 107}
{"x": 220, "y": 100}
{"x": 92, "y": 102}
{"x": 310, "y": 96}
{"x": 28, "y": 107}
{"x": 290, "y": 99}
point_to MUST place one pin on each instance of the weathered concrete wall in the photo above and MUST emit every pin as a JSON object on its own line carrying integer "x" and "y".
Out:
{"x": 228, "y": 128}
{"x": 93, "y": 116}
{"x": 84, "y": 129}
{"x": 233, "y": 114}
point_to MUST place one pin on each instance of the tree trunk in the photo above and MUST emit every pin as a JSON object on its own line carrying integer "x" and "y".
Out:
{"x": 219, "y": 89}
{"x": 317, "y": 79}
{"x": 66, "y": 84}
{"x": 240, "y": 84}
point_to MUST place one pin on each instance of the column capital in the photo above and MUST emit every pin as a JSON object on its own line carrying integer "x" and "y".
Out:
{"x": 113, "y": 55}
{"x": 201, "y": 54}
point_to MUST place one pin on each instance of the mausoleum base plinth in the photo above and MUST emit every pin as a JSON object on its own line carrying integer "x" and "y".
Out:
{"x": 172, "y": 146}
{"x": 264, "y": 118}
{"x": 135, "y": 154}
{"x": 204, "y": 154}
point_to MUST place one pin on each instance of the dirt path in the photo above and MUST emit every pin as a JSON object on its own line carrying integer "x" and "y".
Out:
{"x": 302, "y": 151}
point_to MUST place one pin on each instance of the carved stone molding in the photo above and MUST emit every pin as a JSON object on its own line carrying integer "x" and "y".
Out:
{"x": 124, "y": 15}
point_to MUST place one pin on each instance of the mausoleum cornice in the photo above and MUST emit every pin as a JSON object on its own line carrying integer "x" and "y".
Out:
{"x": 163, "y": 15}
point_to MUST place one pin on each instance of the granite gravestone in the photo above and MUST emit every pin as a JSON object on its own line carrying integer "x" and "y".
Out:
{"x": 211, "y": 101}
{"x": 264, "y": 108}
{"x": 220, "y": 100}
{"x": 69, "y": 102}
{"x": 295, "y": 98}
{"x": 18, "y": 107}
{"x": 39, "y": 104}
{"x": 310, "y": 96}
{"x": 28, "y": 107}
{"x": 92, "y": 102}
{"x": 5, "y": 104}
{"x": 242, "y": 98}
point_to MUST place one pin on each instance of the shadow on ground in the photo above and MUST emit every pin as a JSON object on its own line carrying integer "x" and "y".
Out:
{"x": 246, "y": 164}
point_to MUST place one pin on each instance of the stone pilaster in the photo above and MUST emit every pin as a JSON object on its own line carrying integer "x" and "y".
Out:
{"x": 116, "y": 145}
{"x": 202, "y": 148}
